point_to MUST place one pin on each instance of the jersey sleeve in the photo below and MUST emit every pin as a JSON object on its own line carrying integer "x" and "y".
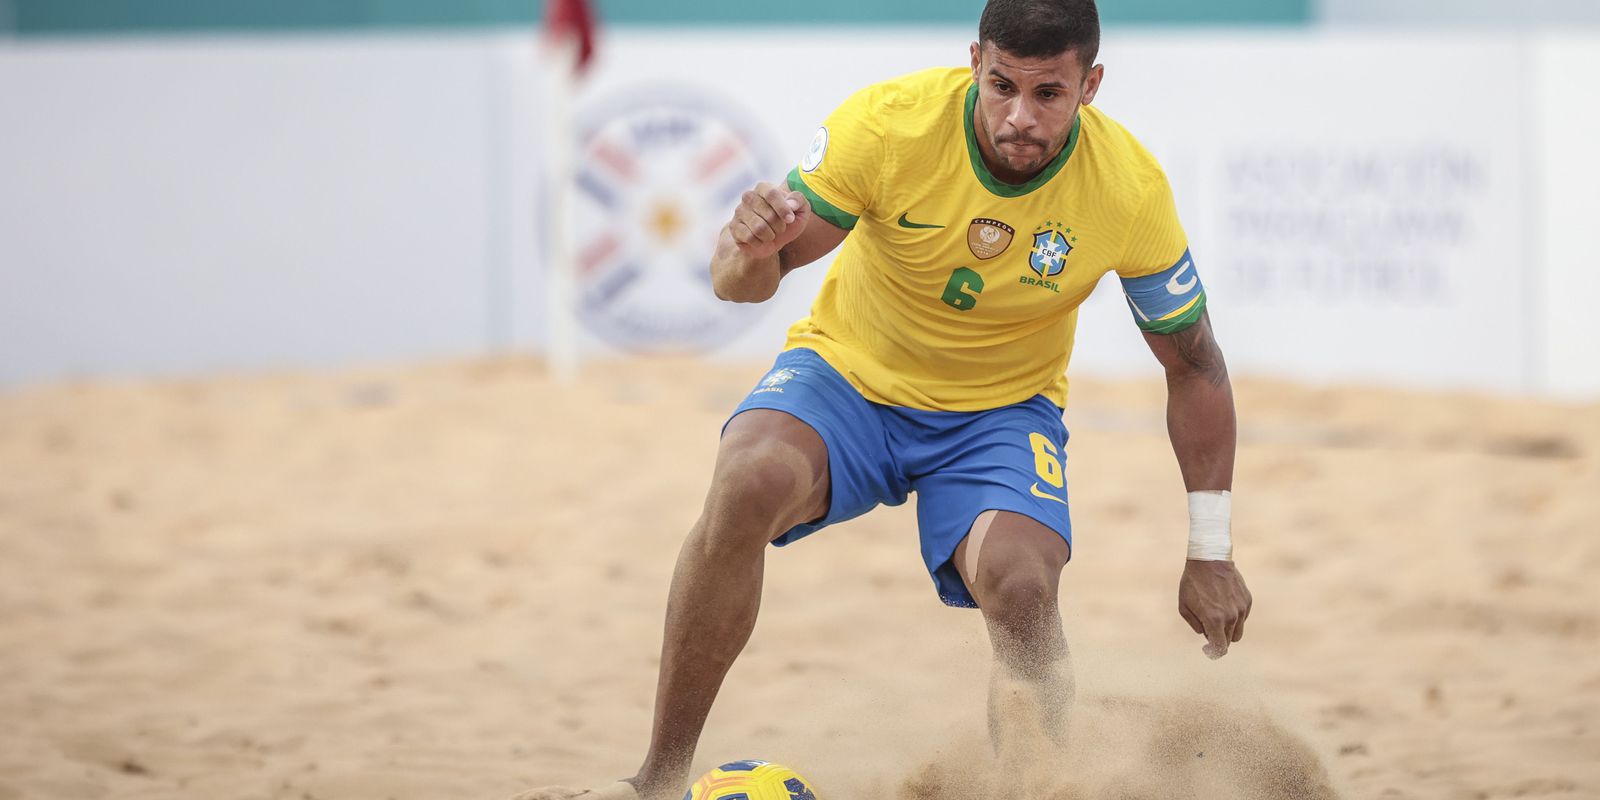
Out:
{"x": 839, "y": 173}
{"x": 1157, "y": 271}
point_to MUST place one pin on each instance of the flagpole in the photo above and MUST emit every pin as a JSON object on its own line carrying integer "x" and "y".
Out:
{"x": 560, "y": 292}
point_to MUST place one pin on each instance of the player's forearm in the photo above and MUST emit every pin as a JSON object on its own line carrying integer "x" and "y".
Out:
{"x": 1203, "y": 428}
{"x": 740, "y": 277}
{"x": 1200, "y": 417}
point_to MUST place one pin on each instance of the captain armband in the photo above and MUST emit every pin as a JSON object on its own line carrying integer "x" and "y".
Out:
{"x": 1169, "y": 300}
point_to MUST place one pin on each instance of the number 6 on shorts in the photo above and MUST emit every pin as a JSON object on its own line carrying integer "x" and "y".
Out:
{"x": 1046, "y": 460}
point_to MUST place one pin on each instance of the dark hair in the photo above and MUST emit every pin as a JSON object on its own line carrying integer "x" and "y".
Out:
{"x": 1042, "y": 28}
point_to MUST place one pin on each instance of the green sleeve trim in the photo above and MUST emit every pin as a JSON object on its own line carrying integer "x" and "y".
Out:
{"x": 822, "y": 208}
{"x": 1178, "y": 323}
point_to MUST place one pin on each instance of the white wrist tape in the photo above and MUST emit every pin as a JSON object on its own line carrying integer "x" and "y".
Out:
{"x": 1210, "y": 526}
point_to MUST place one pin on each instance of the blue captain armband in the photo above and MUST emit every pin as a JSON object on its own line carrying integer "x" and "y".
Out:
{"x": 1168, "y": 301}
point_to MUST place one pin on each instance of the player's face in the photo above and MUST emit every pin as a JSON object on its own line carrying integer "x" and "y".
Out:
{"x": 1026, "y": 107}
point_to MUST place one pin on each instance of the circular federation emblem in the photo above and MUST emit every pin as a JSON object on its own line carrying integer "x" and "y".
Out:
{"x": 660, "y": 170}
{"x": 819, "y": 146}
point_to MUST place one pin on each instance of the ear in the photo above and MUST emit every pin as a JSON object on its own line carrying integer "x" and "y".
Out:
{"x": 977, "y": 60}
{"x": 1091, "y": 83}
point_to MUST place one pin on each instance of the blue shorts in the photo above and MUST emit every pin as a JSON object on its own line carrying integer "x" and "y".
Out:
{"x": 959, "y": 463}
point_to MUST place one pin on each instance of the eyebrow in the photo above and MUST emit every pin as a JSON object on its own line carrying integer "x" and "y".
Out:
{"x": 1002, "y": 76}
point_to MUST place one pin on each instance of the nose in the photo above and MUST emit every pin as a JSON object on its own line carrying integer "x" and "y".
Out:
{"x": 1020, "y": 115}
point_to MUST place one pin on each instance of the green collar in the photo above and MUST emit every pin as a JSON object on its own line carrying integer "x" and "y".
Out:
{"x": 997, "y": 186}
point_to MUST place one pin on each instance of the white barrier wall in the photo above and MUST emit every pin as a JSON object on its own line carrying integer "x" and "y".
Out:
{"x": 177, "y": 206}
{"x": 1567, "y": 172}
{"x": 1368, "y": 208}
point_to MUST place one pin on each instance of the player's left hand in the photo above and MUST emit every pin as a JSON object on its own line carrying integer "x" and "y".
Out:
{"x": 1214, "y": 601}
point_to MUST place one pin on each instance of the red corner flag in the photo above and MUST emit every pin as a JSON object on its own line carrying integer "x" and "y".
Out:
{"x": 571, "y": 19}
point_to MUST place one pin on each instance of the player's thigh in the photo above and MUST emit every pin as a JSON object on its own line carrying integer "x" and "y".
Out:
{"x": 772, "y": 471}
{"x": 804, "y": 435}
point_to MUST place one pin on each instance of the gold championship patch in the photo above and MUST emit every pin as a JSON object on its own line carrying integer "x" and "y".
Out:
{"x": 988, "y": 238}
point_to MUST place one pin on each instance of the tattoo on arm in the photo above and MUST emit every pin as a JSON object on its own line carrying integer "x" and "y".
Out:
{"x": 1199, "y": 352}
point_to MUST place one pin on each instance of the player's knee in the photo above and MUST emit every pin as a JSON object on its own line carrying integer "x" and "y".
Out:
{"x": 1019, "y": 595}
{"x": 760, "y": 491}
{"x": 1020, "y": 568}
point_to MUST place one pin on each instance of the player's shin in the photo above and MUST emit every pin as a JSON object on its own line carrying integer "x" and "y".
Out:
{"x": 1031, "y": 689}
{"x": 711, "y": 611}
{"x": 1031, "y": 692}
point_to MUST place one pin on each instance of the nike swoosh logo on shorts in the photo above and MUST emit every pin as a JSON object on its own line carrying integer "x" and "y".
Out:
{"x": 905, "y": 223}
{"x": 1037, "y": 493}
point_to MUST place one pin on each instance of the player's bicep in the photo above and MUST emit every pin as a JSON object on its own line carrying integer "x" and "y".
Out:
{"x": 1189, "y": 351}
{"x": 818, "y": 239}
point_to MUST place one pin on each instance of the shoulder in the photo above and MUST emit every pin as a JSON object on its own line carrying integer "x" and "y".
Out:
{"x": 1120, "y": 163}
{"x": 1134, "y": 190}
{"x": 918, "y": 89}
{"x": 909, "y": 106}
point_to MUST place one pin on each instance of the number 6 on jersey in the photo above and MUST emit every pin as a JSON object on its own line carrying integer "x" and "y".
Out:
{"x": 955, "y": 291}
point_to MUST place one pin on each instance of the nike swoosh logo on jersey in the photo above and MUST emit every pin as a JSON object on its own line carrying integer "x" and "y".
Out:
{"x": 1038, "y": 493}
{"x": 1174, "y": 287}
{"x": 905, "y": 223}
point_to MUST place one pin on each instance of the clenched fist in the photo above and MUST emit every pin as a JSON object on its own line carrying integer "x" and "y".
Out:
{"x": 1213, "y": 599}
{"x": 768, "y": 217}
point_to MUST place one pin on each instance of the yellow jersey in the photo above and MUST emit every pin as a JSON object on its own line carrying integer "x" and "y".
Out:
{"x": 956, "y": 292}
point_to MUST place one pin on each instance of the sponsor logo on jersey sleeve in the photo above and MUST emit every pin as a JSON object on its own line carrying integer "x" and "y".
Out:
{"x": 987, "y": 238}
{"x": 819, "y": 147}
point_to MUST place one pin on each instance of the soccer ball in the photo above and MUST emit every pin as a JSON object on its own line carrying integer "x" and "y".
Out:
{"x": 750, "y": 780}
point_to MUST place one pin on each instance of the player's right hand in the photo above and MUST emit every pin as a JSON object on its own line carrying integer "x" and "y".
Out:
{"x": 1213, "y": 599}
{"x": 768, "y": 217}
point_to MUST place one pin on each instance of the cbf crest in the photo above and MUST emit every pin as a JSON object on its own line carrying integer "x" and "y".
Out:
{"x": 1052, "y": 242}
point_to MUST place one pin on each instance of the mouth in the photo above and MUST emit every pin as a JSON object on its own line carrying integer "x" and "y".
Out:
{"x": 1021, "y": 145}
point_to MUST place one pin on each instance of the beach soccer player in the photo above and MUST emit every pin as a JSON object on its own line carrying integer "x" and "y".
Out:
{"x": 977, "y": 207}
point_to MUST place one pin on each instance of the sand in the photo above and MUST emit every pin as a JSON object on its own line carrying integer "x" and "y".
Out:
{"x": 447, "y": 581}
